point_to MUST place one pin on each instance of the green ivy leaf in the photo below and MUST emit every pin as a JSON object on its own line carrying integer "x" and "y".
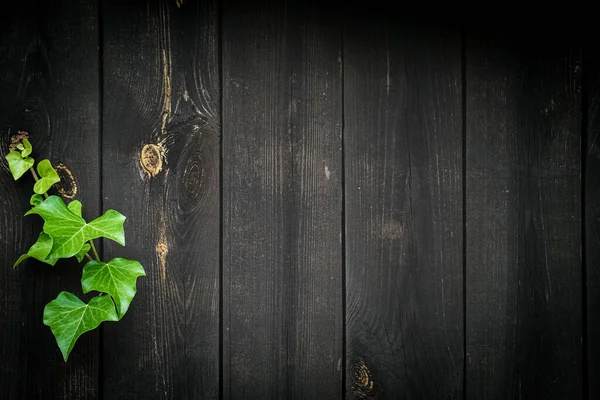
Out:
{"x": 69, "y": 231}
{"x": 17, "y": 164}
{"x": 116, "y": 277}
{"x": 86, "y": 247}
{"x": 25, "y": 148}
{"x": 75, "y": 207}
{"x": 36, "y": 199}
{"x": 39, "y": 250}
{"x": 48, "y": 177}
{"x": 69, "y": 318}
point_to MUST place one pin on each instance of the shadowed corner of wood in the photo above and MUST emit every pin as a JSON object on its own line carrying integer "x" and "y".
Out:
{"x": 362, "y": 382}
{"x": 67, "y": 187}
{"x": 152, "y": 159}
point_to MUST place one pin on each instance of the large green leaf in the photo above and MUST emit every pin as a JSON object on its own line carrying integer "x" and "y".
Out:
{"x": 17, "y": 164}
{"x": 39, "y": 250}
{"x": 69, "y": 318}
{"x": 48, "y": 177}
{"x": 69, "y": 231}
{"x": 116, "y": 277}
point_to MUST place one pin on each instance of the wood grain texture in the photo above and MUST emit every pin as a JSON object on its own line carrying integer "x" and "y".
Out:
{"x": 49, "y": 85}
{"x": 403, "y": 162}
{"x": 161, "y": 154}
{"x": 282, "y": 201}
{"x": 524, "y": 326}
{"x": 591, "y": 82}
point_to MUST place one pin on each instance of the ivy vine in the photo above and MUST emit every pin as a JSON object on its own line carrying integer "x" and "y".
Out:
{"x": 66, "y": 234}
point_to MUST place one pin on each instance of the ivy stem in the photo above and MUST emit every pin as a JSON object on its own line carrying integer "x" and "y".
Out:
{"x": 87, "y": 255}
{"x": 94, "y": 250}
{"x": 36, "y": 178}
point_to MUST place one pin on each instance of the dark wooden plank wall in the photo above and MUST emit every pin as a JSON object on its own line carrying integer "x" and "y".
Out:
{"x": 327, "y": 206}
{"x": 403, "y": 159}
{"x": 282, "y": 201}
{"x": 591, "y": 217}
{"x": 161, "y": 126}
{"x": 524, "y": 288}
{"x": 50, "y": 88}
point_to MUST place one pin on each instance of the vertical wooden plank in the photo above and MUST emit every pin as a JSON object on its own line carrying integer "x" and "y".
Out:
{"x": 17, "y": 43}
{"x": 50, "y": 89}
{"x": 403, "y": 162}
{"x": 591, "y": 74}
{"x": 282, "y": 176}
{"x": 523, "y": 217}
{"x": 161, "y": 169}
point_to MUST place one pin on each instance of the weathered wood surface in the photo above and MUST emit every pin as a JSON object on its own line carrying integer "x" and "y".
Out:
{"x": 523, "y": 287}
{"x": 161, "y": 127}
{"x": 328, "y": 204}
{"x": 50, "y": 89}
{"x": 591, "y": 167}
{"x": 282, "y": 202}
{"x": 403, "y": 163}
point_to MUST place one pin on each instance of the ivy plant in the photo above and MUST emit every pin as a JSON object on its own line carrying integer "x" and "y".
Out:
{"x": 66, "y": 234}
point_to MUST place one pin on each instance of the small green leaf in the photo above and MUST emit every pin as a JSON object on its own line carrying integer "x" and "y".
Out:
{"x": 48, "y": 177}
{"x": 69, "y": 231}
{"x": 36, "y": 199}
{"x": 69, "y": 318}
{"x": 25, "y": 148}
{"x": 86, "y": 247}
{"x": 116, "y": 277}
{"x": 39, "y": 250}
{"x": 17, "y": 164}
{"x": 75, "y": 207}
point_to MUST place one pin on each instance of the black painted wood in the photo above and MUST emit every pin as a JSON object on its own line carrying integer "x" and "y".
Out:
{"x": 403, "y": 161}
{"x": 282, "y": 201}
{"x": 161, "y": 155}
{"x": 524, "y": 288}
{"x": 591, "y": 75}
{"x": 49, "y": 84}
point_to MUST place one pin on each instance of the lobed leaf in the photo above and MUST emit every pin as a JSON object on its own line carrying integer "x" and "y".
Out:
{"x": 116, "y": 277}
{"x": 70, "y": 231}
{"x": 68, "y": 317}
{"x": 17, "y": 164}
{"x": 48, "y": 177}
{"x": 39, "y": 250}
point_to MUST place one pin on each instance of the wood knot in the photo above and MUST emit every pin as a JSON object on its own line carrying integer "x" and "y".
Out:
{"x": 67, "y": 187}
{"x": 162, "y": 249}
{"x": 17, "y": 139}
{"x": 151, "y": 159}
{"x": 360, "y": 378}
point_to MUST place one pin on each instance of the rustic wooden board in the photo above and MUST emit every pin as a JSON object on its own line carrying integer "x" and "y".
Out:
{"x": 403, "y": 162}
{"x": 161, "y": 169}
{"x": 591, "y": 157}
{"x": 49, "y": 84}
{"x": 524, "y": 288}
{"x": 282, "y": 201}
